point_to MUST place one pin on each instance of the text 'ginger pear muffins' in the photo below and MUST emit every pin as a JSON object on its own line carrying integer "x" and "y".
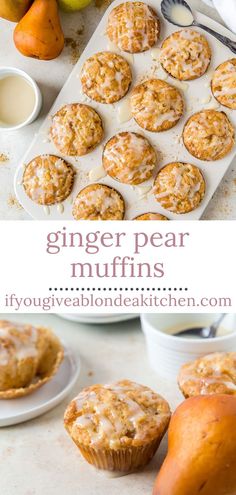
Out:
{"x": 76, "y": 129}
{"x": 29, "y": 358}
{"x": 98, "y": 202}
{"x": 208, "y": 135}
{"x": 133, "y": 27}
{"x": 211, "y": 374}
{"x": 117, "y": 427}
{"x": 223, "y": 83}
{"x": 129, "y": 158}
{"x": 185, "y": 54}
{"x": 106, "y": 77}
{"x": 151, "y": 216}
{"x": 156, "y": 105}
{"x": 48, "y": 179}
{"x": 179, "y": 187}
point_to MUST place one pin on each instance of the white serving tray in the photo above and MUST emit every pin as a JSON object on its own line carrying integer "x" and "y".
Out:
{"x": 45, "y": 398}
{"x": 196, "y": 93}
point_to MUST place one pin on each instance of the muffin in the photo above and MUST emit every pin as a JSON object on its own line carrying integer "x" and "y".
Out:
{"x": 133, "y": 27}
{"x": 156, "y": 105}
{"x": 129, "y": 158}
{"x": 117, "y": 427}
{"x": 208, "y": 135}
{"x": 106, "y": 77}
{"x": 29, "y": 357}
{"x": 98, "y": 202}
{"x": 223, "y": 83}
{"x": 179, "y": 187}
{"x": 211, "y": 374}
{"x": 48, "y": 179}
{"x": 185, "y": 54}
{"x": 76, "y": 129}
{"x": 151, "y": 216}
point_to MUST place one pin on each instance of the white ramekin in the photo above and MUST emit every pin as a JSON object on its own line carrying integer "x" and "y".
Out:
{"x": 167, "y": 352}
{"x": 7, "y": 71}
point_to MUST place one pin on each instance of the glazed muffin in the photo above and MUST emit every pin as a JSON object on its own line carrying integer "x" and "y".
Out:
{"x": 98, "y": 202}
{"x": 151, "y": 216}
{"x": 76, "y": 129}
{"x": 185, "y": 55}
{"x": 133, "y": 27}
{"x": 211, "y": 374}
{"x": 208, "y": 135}
{"x": 106, "y": 77}
{"x": 29, "y": 357}
{"x": 223, "y": 84}
{"x": 129, "y": 158}
{"x": 156, "y": 105}
{"x": 179, "y": 187}
{"x": 117, "y": 427}
{"x": 48, "y": 179}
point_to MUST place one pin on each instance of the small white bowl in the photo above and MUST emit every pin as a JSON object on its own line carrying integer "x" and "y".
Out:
{"x": 8, "y": 71}
{"x": 167, "y": 352}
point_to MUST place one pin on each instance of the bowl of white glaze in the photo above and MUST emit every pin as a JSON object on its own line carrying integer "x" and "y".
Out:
{"x": 20, "y": 99}
{"x": 167, "y": 352}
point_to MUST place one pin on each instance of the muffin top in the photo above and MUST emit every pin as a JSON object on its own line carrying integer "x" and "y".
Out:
{"x": 185, "y": 54}
{"x": 76, "y": 129}
{"x": 208, "y": 135}
{"x": 129, "y": 158}
{"x": 133, "y": 27}
{"x": 17, "y": 342}
{"x": 117, "y": 415}
{"x": 179, "y": 187}
{"x": 48, "y": 179}
{"x": 156, "y": 105}
{"x": 151, "y": 216}
{"x": 223, "y": 83}
{"x": 106, "y": 77}
{"x": 98, "y": 202}
{"x": 211, "y": 374}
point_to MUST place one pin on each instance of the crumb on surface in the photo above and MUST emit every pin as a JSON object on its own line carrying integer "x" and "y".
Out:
{"x": 4, "y": 158}
{"x": 74, "y": 45}
{"x": 13, "y": 202}
{"x": 102, "y": 4}
{"x": 90, "y": 373}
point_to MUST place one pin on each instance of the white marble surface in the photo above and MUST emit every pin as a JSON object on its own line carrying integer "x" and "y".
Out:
{"x": 50, "y": 77}
{"x": 38, "y": 457}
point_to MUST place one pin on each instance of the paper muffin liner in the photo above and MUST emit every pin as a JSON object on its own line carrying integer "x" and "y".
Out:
{"x": 124, "y": 460}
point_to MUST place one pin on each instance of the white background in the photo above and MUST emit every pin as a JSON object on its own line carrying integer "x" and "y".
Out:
{"x": 206, "y": 266}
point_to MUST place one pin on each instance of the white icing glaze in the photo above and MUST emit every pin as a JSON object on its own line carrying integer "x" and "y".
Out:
{"x": 97, "y": 173}
{"x": 23, "y": 342}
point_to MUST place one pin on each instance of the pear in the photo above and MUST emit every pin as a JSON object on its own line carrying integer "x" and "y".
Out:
{"x": 14, "y": 10}
{"x": 73, "y": 5}
{"x": 201, "y": 458}
{"x": 39, "y": 33}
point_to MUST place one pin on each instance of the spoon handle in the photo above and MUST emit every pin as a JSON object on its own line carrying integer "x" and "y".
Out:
{"x": 214, "y": 327}
{"x": 226, "y": 41}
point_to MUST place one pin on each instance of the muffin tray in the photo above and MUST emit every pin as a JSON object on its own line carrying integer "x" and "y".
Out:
{"x": 197, "y": 95}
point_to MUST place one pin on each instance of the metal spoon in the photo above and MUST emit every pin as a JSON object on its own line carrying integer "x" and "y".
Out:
{"x": 203, "y": 332}
{"x": 167, "y": 11}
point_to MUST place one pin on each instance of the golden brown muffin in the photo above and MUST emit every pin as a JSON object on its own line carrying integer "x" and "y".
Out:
{"x": 117, "y": 427}
{"x": 76, "y": 129}
{"x": 208, "y": 135}
{"x": 98, "y": 202}
{"x": 223, "y": 83}
{"x": 133, "y": 27}
{"x": 129, "y": 158}
{"x": 151, "y": 216}
{"x": 156, "y": 105}
{"x": 29, "y": 357}
{"x": 106, "y": 77}
{"x": 185, "y": 54}
{"x": 211, "y": 374}
{"x": 179, "y": 187}
{"x": 48, "y": 179}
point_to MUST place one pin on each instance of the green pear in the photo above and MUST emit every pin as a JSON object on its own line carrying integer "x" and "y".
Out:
{"x": 73, "y": 5}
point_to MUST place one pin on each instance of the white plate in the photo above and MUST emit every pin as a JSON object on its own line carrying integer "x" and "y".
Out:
{"x": 142, "y": 67}
{"x": 45, "y": 398}
{"x": 99, "y": 318}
